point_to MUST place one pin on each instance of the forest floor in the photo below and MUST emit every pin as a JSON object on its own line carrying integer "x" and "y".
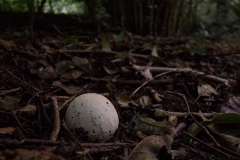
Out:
{"x": 176, "y": 97}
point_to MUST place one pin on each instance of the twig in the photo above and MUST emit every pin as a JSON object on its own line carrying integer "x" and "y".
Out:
{"x": 134, "y": 82}
{"x": 75, "y": 140}
{"x": 199, "y": 124}
{"x": 101, "y": 52}
{"x": 204, "y": 128}
{"x": 56, "y": 124}
{"x": 20, "y": 79}
{"x": 69, "y": 100}
{"x": 163, "y": 113}
{"x": 198, "y": 140}
{"x": 178, "y": 129}
{"x": 44, "y": 112}
{"x": 18, "y": 122}
{"x": 135, "y": 91}
{"x": 187, "y": 70}
{"x": 10, "y": 91}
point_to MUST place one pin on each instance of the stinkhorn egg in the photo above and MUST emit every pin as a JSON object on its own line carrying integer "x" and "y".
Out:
{"x": 95, "y": 114}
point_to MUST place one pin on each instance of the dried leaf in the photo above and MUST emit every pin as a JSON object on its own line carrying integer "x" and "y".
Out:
{"x": 206, "y": 90}
{"x": 99, "y": 87}
{"x": 149, "y": 148}
{"x": 231, "y": 105}
{"x": 64, "y": 66}
{"x": 109, "y": 71}
{"x": 146, "y": 73}
{"x": 7, "y": 130}
{"x": 47, "y": 73}
{"x": 73, "y": 74}
{"x": 25, "y": 154}
{"x": 149, "y": 126}
{"x": 123, "y": 99}
{"x": 154, "y": 51}
{"x": 80, "y": 61}
{"x": 71, "y": 89}
{"x": 173, "y": 119}
{"x": 28, "y": 109}
{"x": 144, "y": 101}
{"x": 230, "y": 142}
{"x": 7, "y": 101}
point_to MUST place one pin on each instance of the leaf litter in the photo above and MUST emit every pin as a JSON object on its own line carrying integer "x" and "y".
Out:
{"x": 141, "y": 76}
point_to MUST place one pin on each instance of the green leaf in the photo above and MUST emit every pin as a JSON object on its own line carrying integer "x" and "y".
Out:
{"x": 120, "y": 37}
{"x": 105, "y": 45}
{"x": 220, "y": 118}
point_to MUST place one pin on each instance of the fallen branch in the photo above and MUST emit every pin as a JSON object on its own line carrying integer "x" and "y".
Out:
{"x": 56, "y": 124}
{"x": 227, "y": 82}
{"x": 161, "y": 113}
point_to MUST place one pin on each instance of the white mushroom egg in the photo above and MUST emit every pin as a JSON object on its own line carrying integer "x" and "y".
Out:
{"x": 95, "y": 114}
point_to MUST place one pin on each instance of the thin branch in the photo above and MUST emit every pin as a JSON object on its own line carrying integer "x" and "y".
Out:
{"x": 74, "y": 139}
{"x": 161, "y": 74}
{"x": 227, "y": 82}
{"x": 70, "y": 100}
{"x": 20, "y": 79}
{"x": 163, "y": 113}
{"x": 56, "y": 125}
{"x": 219, "y": 151}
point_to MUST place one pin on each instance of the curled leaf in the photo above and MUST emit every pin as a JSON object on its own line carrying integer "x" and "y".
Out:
{"x": 150, "y": 147}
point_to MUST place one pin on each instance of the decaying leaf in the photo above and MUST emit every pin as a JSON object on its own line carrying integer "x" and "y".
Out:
{"x": 43, "y": 69}
{"x": 149, "y": 126}
{"x": 144, "y": 101}
{"x": 150, "y": 147}
{"x": 181, "y": 154}
{"x": 80, "y": 61}
{"x": 231, "y": 104}
{"x": 7, "y": 101}
{"x": 123, "y": 99}
{"x": 73, "y": 74}
{"x": 146, "y": 73}
{"x": 28, "y": 109}
{"x": 28, "y": 155}
{"x": 173, "y": 119}
{"x": 6, "y": 45}
{"x": 64, "y": 66}
{"x": 206, "y": 90}
{"x": 47, "y": 73}
{"x": 231, "y": 142}
{"x": 7, "y": 130}
{"x": 70, "y": 89}
{"x": 99, "y": 87}
{"x": 155, "y": 95}
{"x": 110, "y": 71}
{"x": 154, "y": 51}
